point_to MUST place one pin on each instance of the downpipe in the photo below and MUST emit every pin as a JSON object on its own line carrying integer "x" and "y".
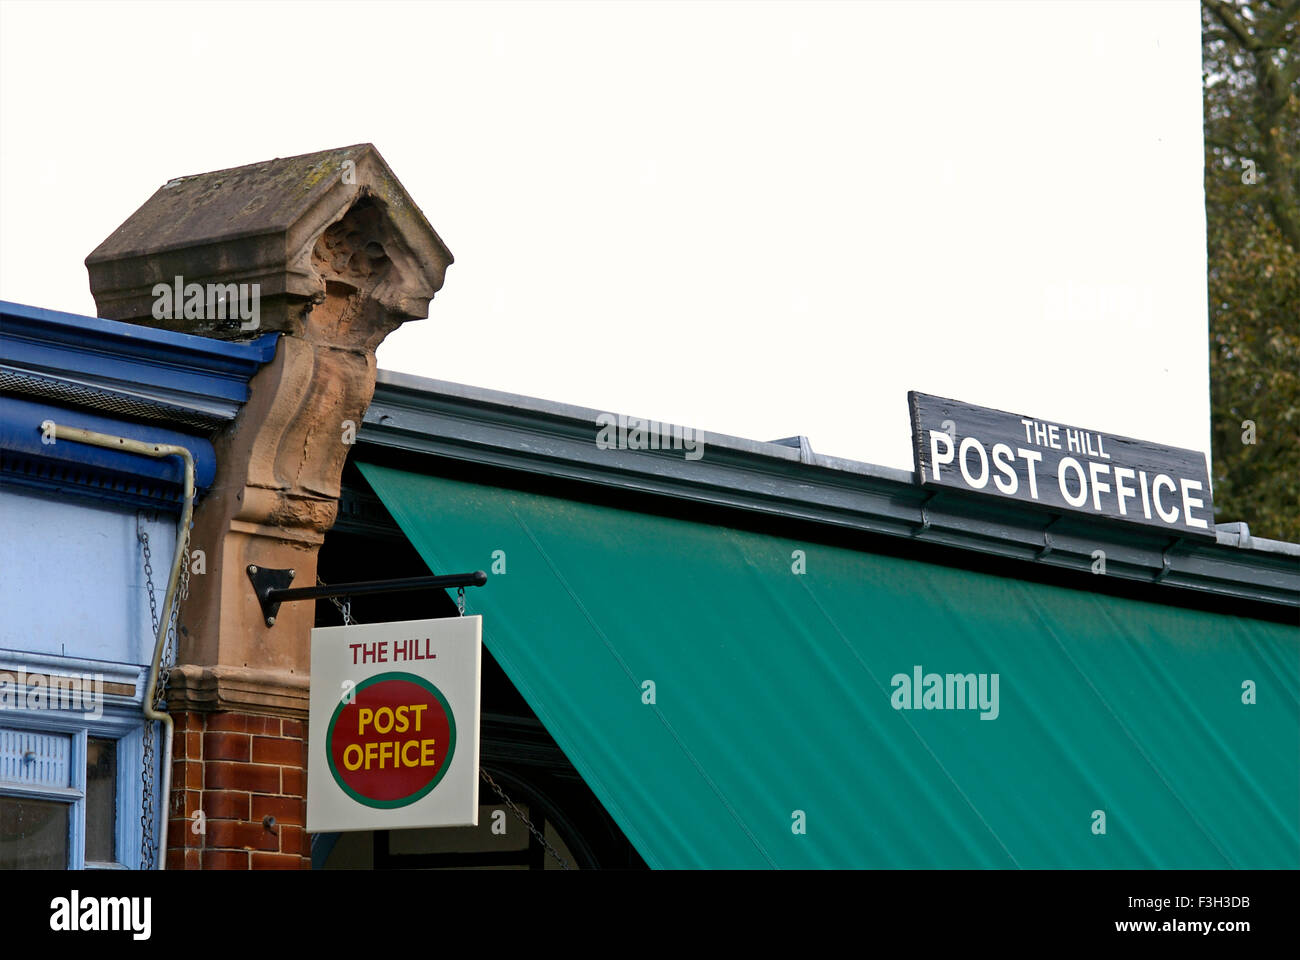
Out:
{"x": 158, "y": 451}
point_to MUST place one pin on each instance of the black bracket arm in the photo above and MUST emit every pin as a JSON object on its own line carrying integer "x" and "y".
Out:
{"x": 272, "y": 587}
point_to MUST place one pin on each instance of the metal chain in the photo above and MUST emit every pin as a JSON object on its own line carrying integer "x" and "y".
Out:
{"x": 523, "y": 818}
{"x": 143, "y": 537}
{"x": 146, "y": 812}
{"x": 147, "y": 856}
{"x": 345, "y": 608}
{"x": 169, "y": 651}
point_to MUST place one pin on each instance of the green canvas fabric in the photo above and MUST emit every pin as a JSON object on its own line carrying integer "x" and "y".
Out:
{"x": 774, "y": 696}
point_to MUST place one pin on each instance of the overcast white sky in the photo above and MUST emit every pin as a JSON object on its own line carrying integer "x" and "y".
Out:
{"x": 754, "y": 218}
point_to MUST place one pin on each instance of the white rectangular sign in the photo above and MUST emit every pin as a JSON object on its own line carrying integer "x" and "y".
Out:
{"x": 393, "y": 739}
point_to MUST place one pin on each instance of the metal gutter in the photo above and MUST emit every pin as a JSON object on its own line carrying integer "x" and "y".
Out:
{"x": 449, "y": 421}
{"x": 1238, "y": 535}
{"x": 125, "y": 367}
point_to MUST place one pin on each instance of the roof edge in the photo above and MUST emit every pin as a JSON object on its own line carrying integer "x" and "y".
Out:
{"x": 450, "y": 421}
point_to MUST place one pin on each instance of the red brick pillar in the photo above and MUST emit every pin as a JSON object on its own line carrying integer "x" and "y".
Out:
{"x": 238, "y": 769}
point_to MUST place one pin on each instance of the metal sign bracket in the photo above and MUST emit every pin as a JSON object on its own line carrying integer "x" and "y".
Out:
{"x": 271, "y": 586}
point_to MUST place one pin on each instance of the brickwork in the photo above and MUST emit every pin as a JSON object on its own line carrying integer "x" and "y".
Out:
{"x": 239, "y": 769}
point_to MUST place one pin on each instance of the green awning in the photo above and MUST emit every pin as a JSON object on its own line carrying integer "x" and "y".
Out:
{"x": 774, "y": 696}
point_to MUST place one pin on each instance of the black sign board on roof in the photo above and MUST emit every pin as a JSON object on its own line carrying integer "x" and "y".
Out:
{"x": 1061, "y": 468}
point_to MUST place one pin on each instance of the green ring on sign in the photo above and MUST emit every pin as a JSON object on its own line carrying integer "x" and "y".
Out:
{"x": 451, "y": 747}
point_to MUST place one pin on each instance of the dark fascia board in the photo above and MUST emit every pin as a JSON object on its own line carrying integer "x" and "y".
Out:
{"x": 451, "y": 421}
{"x": 65, "y": 356}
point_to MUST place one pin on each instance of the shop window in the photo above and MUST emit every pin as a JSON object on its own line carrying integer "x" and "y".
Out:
{"x": 61, "y": 800}
{"x": 34, "y": 833}
{"x": 501, "y": 841}
{"x": 101, "y": 801}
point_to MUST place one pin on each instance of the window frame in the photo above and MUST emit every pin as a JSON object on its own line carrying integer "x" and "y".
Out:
{"x": 124, "y": 724}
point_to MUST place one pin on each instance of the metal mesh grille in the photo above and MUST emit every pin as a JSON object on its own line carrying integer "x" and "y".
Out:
{"x": 99, "y": 398}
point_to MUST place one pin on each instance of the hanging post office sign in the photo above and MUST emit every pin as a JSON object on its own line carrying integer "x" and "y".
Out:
{"x": 1062, "y": 468}
{"x": 393, "y": 737}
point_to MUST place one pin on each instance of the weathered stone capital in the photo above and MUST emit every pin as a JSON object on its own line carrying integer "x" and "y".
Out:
{"x": 335, "y": 225}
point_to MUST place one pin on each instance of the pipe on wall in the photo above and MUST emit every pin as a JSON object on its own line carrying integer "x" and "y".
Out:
{"x": 156, "y": 450}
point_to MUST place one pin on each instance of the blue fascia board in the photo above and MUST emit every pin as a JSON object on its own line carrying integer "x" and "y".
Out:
{"x": 20, "y": 438}
{"x": 51, "y": 343}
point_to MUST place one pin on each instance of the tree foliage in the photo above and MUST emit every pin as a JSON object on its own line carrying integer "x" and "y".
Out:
{"x": 1251, "y": 79}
